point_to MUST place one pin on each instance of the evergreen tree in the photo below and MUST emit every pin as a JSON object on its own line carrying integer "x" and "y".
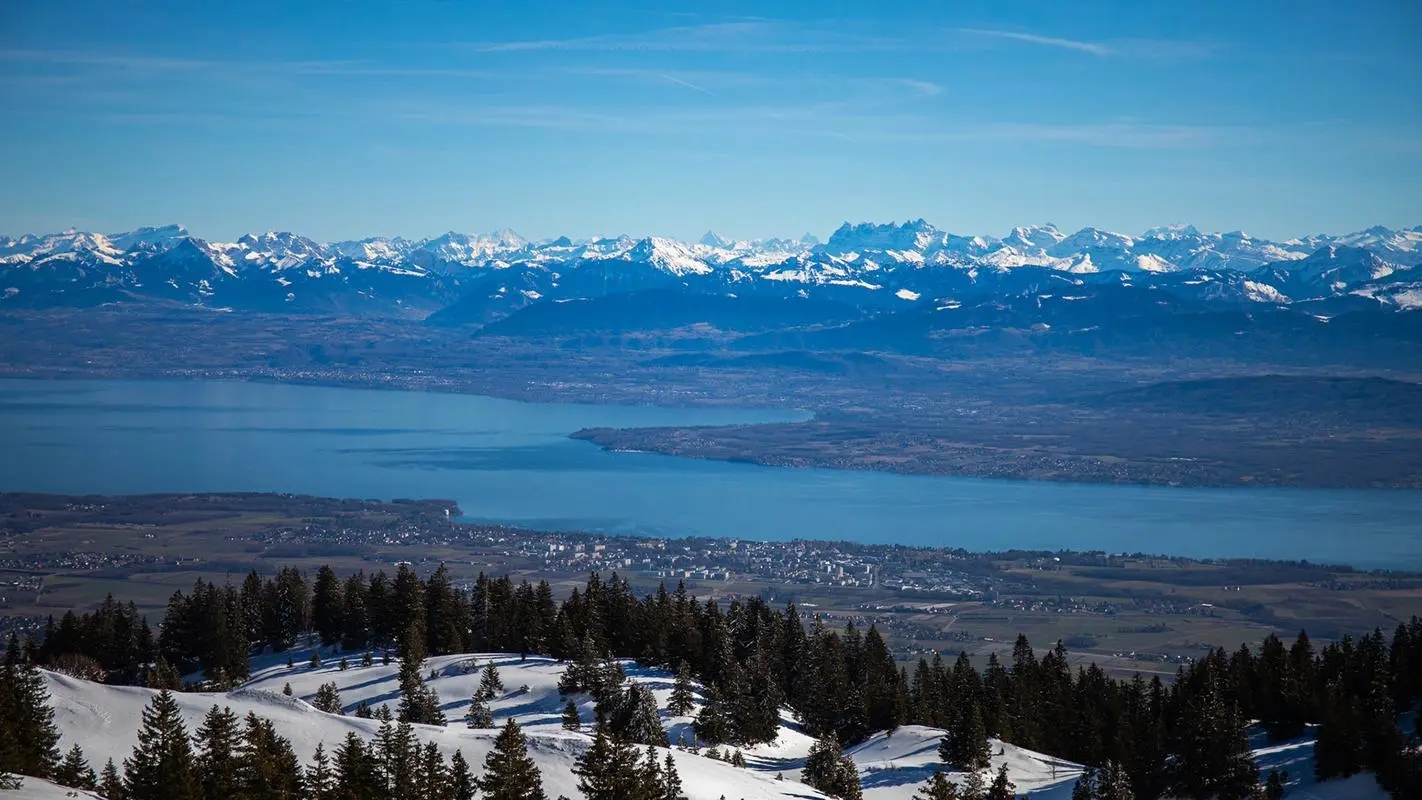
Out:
{"x": 571, "y": 720}
{"x": 671, "y": 781}
{"x": 267, "y": 768}
{"x": 320, "y": 776}
{"x": 218, "y": 739}
{"x": 461, "y": 782}
{"x": 479, "y": 715}
{"x": 828, "y": 769}
{"x": 1085, "y": 786}
{"x": 162, "y": 765}
{"x": 74, "y": 771}
{"x": 682, "y": 701}
{"x": 432, "y": 777}
{"x": 29, "y": 740}
{"x": 357, "y": 772}
{"x": 1113, "y": 783}
{"x": 1002, "y": 786}
{"x": 965, "y": 745}
{"x": 975, "y": 787}
{"x": 509, "y": 772}
{"x": 712, "y": 725}
{"x": 938, "y": 787}
{"x": 635, "y": 717}
{"x": 1212, "y": 756}
{"x": 608, "y": 770}
{"x": 328, "y": 699}
{"x": 490, "y": 685}
{"x": 327, "y": 607}
{"x": 110, "y": 784}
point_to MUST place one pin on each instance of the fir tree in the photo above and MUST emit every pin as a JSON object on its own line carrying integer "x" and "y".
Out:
{"x": 110, "y": 784}
{"x": 356, "y": 771}
{"x": 509, "y": 772}
{"x": 74, "y": 771}
{"x": 965, "y": 745}
{"x": 608, "y": 770}
{"x": 682, "y": 701}
{"x": 975, "y": 787}
{"x": 29, "y": 740}
{"x": 320, "y": 777}
{"x": 432, "y": 777}
{"x": 490, "y": 685}
{"x": 1085, "y": 786}
{"x": 479, "y": 715}
{"x": 571, "y": 720}
{"x": 938, "y": 787}
{"x": 461, "y": 783}
{"x": 828, "y": 769}
{"x": 162, "y": 765}
{"x": 635, "y": 717}
{"x": 267, "y": 768}
{"x": 328, "y": 699}
{"x": 1002, "y": 786}
{"x": 327, "y": 607}
{"x": 218, "y": 739}
{"x": 671, "y": 781}
{"x": 1112, "y": 783}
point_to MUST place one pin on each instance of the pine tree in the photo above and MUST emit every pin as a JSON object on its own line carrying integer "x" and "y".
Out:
{"x": 162, "y": 765}
{"x": 479, "y": 715}
{"x": 217, "y": 740}
{"x": 682, "y": 701}
{"x": 975, "y": 787}
{"x": 490, "y": 685}
{"x": 608, "y": 770}
{"x": 1085, "y": 786}
{"x": 461, "y": 783}
{"x": 1113, "y": 783}
{"x": 327, "y": 607}
{"x": 635, "y": 718}
{"x": 267, "y": 768}
{"x": 357, "y": 772}
{"x": 938, "y": 787}
{"x": 671, "y": 781}
{"x": 509, "y": 772}
{"x": 830, "y": 771}
{"x": 965, "y": 745}
{"x": 74, "y": 771}
{"x": 571, "y": 720}
{"x": 110, "y": 784}
{"x": 320, "y": 778}
{"x": 1002, "y": 786}
{"x": 432, "y": 776}
{"x": 29, "y": 740}
{"x": 328, "y": 699}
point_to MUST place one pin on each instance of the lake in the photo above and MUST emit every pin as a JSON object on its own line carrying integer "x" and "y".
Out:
{"x": 512, "y": 462}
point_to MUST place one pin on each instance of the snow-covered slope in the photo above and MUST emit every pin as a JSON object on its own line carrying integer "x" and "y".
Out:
{"x": 103, "y": 721}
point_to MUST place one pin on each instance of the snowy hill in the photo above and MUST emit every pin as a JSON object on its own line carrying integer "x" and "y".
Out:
{"x": 103, "y": 721}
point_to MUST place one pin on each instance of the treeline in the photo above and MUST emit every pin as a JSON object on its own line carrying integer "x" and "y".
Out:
{"x": 229, "y": 756}
{"x": 1187, "y": 739}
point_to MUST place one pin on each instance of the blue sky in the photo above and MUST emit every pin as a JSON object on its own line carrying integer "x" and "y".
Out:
{"x": 345, "y": 119}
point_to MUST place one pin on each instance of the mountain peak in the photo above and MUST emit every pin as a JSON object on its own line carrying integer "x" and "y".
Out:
{"x": 714, "y": 239}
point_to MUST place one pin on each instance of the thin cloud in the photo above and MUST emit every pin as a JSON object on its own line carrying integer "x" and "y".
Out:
{"x": 690, "y": 85}
{"x": 746, "y": 36}
{"x": 1094, "y": 48}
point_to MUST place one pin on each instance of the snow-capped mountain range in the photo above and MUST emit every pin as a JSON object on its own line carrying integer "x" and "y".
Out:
{"x": 865, "y": 265}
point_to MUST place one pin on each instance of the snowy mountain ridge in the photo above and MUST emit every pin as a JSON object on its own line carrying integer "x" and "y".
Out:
{"x": 861, "y": 264}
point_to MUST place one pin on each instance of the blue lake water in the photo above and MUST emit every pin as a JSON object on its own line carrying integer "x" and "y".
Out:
{"x": 512, "y": 462}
